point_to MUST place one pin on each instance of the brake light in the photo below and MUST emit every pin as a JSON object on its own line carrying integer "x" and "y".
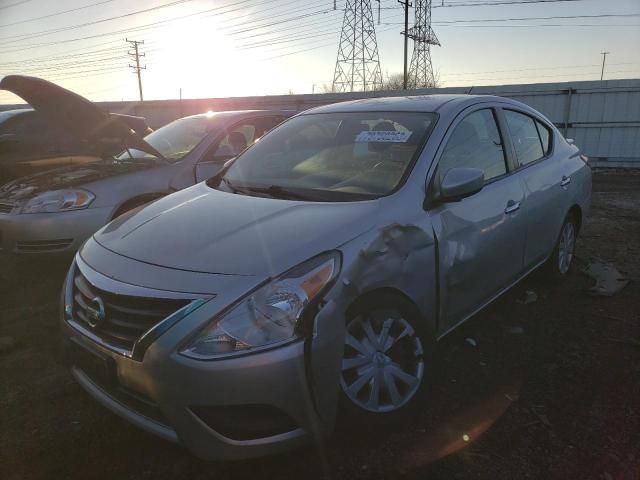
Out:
{"x": 585, "y": 159}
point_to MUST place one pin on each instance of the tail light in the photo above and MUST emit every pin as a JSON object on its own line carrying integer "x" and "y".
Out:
{"x": 585, "y": 159}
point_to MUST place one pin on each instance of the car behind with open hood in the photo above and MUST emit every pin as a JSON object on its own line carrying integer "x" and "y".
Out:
{"x": 56, "y": 210}
{"x": 316, "y": 272}
{"x": 31, "y": 143}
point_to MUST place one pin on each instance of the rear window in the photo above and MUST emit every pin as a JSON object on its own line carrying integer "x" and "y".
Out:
{"x": 525, "y": 137}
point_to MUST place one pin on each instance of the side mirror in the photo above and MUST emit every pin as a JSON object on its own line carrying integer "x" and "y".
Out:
{"x": 459, "y": 183}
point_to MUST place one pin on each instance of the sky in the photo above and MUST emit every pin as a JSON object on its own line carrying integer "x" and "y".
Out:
{"x": 221, "y": 48}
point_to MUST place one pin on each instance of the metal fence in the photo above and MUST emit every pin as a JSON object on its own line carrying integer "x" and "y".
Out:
{"x": 603, "y": 117}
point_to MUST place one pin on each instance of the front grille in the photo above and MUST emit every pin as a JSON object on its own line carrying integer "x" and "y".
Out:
{"x": 124, "y": 319}
{"x": 43, "y": 246}
{"x": 6, "y": 207}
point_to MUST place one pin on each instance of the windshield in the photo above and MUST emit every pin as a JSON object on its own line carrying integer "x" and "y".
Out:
{"x": 176, "y": 139}
{"x": 333, "y": 156}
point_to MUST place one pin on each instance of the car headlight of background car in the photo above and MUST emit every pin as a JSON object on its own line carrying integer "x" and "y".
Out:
{"x": 270, "y": 314}
{"x": 59, "y": 201}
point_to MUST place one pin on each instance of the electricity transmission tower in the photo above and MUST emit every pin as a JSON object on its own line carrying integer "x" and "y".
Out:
{"x": 358, "y": 64}
{"x": 421, "y": 71}
{"x": 135, "y": 54}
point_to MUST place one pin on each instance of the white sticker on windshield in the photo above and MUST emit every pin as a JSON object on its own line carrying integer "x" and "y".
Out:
{"x": 383, "y": 136}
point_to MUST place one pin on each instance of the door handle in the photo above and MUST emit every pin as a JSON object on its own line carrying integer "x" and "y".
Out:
{"x": 565, "y": 181}
{"x": 512, "y": 207}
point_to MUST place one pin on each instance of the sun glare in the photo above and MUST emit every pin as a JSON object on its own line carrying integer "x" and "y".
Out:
{"x": 203, "y": 60}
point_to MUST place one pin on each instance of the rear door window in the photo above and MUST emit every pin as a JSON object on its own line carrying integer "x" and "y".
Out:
{"x": 525, "y": 137}
{"x": 475, "y": 143}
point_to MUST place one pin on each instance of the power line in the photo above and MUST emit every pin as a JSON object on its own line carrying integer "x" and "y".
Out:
{"x": 558, "y": 17}
{"x": 562, "y": 17}
{"x": 491, "y": 3}
{"x": 14, "y": 4}
{"x": 94, "y": 22}
{"x": 236, "y": 32}
{"x": 502, "y": 2}
{"x": 127, "y": 30}
{"x": 534, "y": 25}
{"x": 102, "y": 2}
{"x": 47, "y": 60}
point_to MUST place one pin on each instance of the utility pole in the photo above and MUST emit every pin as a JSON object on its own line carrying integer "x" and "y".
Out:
{"x": 604, "y": 59}
{"x": 136, "y": 55}
{"x": 406, "y": 5}
{"x": 357, "y": 63}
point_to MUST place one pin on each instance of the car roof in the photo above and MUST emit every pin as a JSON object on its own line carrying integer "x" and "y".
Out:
{"x": 417, "y": 103}
{"x": 230, "y": 114}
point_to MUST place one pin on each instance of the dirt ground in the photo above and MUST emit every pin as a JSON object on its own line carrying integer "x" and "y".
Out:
{"x": 543, "y": 390}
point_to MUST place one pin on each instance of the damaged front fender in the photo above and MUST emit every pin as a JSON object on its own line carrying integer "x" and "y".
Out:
{"x": 394, "y": 257}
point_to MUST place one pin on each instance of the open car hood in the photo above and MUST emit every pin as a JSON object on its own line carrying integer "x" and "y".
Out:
{"x": 78, "y": 115}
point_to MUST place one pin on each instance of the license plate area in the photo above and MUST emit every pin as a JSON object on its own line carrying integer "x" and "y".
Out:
{"x": 100, "y": 368}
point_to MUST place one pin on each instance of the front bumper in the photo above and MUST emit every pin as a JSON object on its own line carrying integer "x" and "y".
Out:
{"x": 229, "y": 408}
{"x": 50, "y": 233}
{"x": 178, "y": 387}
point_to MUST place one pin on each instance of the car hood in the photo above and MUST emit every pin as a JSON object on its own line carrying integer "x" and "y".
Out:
{"x": 78, "y": 115}
{"x": 201, "y": 229}
{"x": 28, "y": 187}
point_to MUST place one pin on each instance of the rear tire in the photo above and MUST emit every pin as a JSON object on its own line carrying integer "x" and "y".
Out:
{"x": 563, "y": 254}
{"x": 386, "y": 364}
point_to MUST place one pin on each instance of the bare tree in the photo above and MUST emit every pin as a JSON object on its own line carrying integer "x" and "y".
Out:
{"x": 395, "y": 81}
{"x": 328, "y": 88}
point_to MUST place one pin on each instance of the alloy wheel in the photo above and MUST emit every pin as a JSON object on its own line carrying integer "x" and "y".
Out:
{"x": 383, "y": 364}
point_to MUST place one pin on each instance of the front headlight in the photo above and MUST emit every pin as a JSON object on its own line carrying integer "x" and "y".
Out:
{"x": 270, "y": 314}
{"x": 59, "y": 201}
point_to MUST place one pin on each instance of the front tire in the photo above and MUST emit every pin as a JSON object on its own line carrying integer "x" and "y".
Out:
{"x": 385, "y": 363}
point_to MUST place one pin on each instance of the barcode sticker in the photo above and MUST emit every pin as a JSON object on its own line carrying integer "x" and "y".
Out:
{"x": 383, "y": 136}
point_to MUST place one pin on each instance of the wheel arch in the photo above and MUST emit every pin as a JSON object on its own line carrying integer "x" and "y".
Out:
{"x": 389, "y": 294}
{"x": 576, "y": 212}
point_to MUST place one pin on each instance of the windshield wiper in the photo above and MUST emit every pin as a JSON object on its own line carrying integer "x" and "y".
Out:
{"x": 274, "y": 191}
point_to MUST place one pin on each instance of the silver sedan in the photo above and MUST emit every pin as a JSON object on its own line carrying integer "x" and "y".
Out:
{"x": 314, "y": 275}
{"x": 57, "y": 210}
